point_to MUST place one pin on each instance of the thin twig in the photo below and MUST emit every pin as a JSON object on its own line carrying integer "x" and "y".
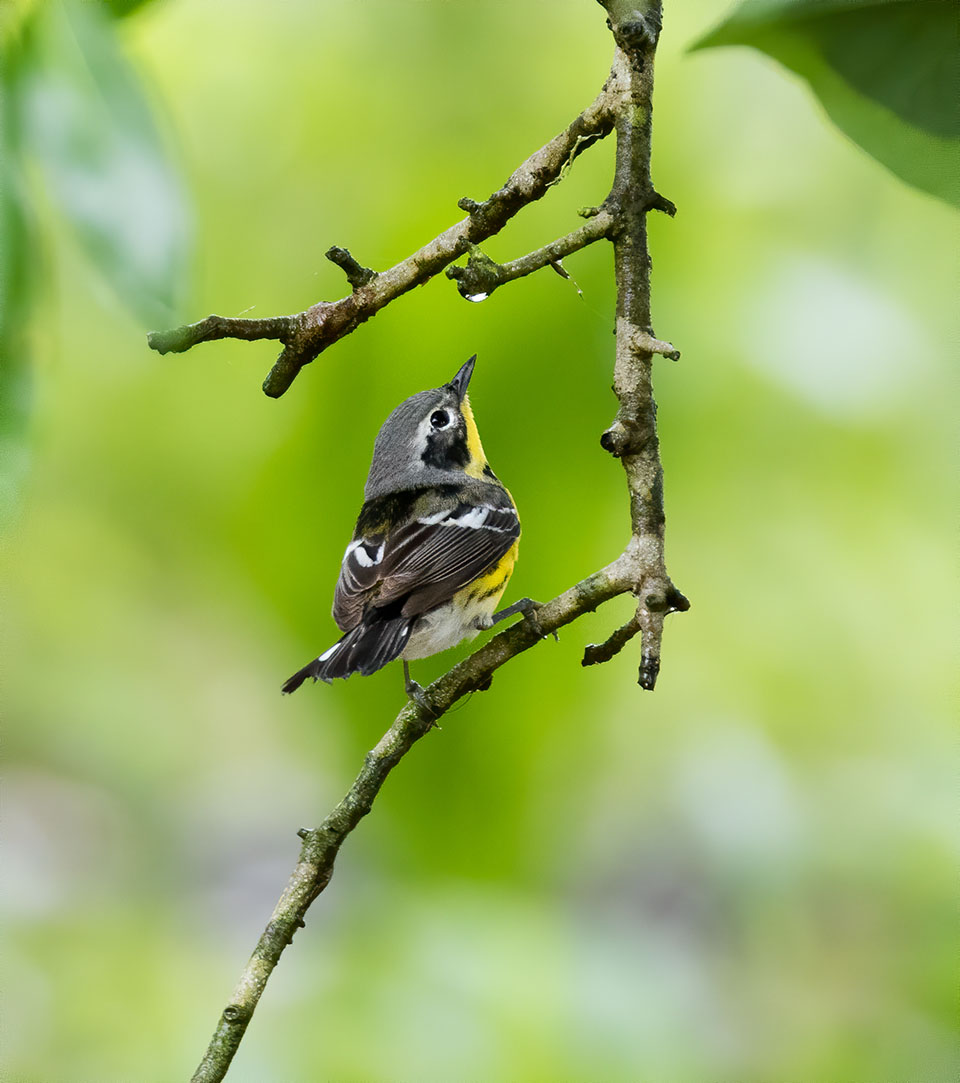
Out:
{"x": 184, "y": 338}
{"x": 596, "y": 653}
{"x": 642, "y": 341}
{"x": 482, "y": 275}
{"x": 357, "y": 275}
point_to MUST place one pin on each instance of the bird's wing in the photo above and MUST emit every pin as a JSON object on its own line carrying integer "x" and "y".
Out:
{"x": 361, "y": 573}
{"x": 423, "y": 562}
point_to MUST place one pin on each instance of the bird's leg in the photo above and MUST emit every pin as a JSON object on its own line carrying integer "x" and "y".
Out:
{"x": 416, "y": 693}
{"x": 528, "y": 607}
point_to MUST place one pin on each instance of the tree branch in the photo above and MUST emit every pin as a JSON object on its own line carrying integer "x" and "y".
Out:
{"x": 320, "y": 846}
{"x": 595, "y": 653}
{"x": 633, "y": 435}
{"x": 307, "y": 334}
{"x": 181, "y": 339}
{"x": 625, "y": 103}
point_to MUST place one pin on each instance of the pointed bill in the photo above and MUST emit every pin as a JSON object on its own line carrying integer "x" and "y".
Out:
{"x": 462, "y": 379}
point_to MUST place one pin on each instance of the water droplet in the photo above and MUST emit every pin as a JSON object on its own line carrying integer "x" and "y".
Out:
{"x": 477, "y": 297}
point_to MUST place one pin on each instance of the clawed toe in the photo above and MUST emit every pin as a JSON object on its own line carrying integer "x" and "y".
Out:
{"x": 416, "y": 693}
{"x": 530, "y": 615}
{"x": 529, "y": 608}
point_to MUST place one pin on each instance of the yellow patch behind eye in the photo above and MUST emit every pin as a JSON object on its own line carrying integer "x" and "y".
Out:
{"x": 474, "y": 448}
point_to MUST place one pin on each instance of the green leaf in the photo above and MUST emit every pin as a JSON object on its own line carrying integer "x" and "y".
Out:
{"x": 86, "y": 121}
{"x": 13, "y": 15}
{"x": 119, "y": 9}
{"x": 16, "y": 282}
{"x": 887, "y": 72}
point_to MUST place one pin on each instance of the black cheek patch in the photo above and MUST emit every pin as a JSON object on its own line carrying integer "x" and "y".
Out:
{"x": 446, "y": 450}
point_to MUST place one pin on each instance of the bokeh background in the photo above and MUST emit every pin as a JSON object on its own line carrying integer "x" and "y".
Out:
{"x": 747, "y": 875}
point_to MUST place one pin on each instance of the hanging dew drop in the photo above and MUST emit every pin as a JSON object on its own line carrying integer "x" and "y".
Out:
{"x": 477, "y": 297}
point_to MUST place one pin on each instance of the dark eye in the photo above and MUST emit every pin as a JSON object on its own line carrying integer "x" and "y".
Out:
{"x": 439, "y": 419}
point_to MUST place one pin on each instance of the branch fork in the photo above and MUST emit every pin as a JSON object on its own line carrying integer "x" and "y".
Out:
{"x": 482, "y": 275}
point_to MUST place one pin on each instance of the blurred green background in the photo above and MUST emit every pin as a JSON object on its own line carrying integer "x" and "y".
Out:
{"x": 747, "y": 875}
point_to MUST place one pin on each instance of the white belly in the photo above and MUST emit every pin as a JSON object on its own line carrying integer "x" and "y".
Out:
{"x": 445, "y": 627}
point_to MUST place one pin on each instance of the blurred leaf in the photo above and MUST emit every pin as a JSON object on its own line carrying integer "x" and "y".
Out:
{"x": 87, "y": 122}
{"x": 120, "y": 8}
{"x": 15, "y": 288}
{"x": 887, "y": 74}
{"x": 13, "y": 15}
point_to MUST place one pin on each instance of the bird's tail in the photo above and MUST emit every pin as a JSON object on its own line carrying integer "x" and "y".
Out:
{"x": 364, "y": 649}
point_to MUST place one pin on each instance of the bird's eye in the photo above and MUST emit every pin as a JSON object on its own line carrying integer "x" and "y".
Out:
{"x": 439, "y": 419}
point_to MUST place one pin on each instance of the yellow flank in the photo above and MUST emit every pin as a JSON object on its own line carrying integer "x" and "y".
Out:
{"x": 489, "y": 586}
{"x": 475, "y": 449}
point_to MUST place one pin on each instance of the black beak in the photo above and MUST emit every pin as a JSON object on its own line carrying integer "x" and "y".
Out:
{"x": 462, "y": 379}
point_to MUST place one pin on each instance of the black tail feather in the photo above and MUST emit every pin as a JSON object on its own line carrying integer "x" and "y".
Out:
{"x": 311, "y": 669}
{"x": 364, "y": 650}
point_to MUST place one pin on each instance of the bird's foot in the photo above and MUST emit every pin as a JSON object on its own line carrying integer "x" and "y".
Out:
{"x": 416, "y": 693}
{"x": 529, "y": 608}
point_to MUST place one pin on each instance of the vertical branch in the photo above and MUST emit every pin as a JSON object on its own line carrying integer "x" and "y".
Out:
{"x": 633, "y": 435}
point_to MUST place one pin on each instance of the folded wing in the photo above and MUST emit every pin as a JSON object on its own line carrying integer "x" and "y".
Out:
{"x": 422, "y": 563}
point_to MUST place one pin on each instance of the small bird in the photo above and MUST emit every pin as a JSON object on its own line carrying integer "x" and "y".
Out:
{"x": 434, "y": 546}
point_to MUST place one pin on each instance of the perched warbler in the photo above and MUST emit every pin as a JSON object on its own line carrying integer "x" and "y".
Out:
{"x": 434, "y": 546}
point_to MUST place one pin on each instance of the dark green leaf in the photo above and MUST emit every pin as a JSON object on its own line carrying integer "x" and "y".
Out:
{"x": 16, "y": 280}
{"x": 120, "y": 8}
{"x": 887, "y": 73}
{"x": 13, "y": 15}
{"x": 86, "y": 120}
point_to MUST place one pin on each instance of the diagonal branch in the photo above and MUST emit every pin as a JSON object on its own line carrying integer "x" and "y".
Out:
{"x": 307, "y": 334}
{"x": 595, "y": 653}
{"x": 320, "y": 847}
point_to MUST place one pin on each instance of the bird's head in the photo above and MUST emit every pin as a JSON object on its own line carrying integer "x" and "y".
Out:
{"x": 429, "y": 439}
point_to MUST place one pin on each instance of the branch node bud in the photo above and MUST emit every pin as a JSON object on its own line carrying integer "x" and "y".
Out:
{"x": 616, "y": 439}
{"x": 645, "y": 342}
{"x": 677, "y": 602}
{"x": 657, "y": 202}
{"x": 637, "y": 33}
{"x": 357, "y": 275}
